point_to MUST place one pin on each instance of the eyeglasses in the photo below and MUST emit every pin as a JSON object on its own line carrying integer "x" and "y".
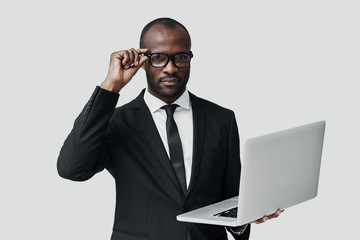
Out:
{"x": 160, "y": 60}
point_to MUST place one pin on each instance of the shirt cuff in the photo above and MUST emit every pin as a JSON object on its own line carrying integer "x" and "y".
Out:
{"x": 238, "y": 230}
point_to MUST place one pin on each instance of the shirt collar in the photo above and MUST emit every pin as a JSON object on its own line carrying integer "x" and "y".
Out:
{"x": 154, "y": 103}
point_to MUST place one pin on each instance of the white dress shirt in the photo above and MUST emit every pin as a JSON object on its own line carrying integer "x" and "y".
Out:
{"x": 183, "y": 117}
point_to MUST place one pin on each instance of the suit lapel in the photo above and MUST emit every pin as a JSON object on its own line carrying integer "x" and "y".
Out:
{"x": 199, "y": 121}
{"x": 145, "y": 120}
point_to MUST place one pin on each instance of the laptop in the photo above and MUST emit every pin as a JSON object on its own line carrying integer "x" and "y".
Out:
{"x": 279, "y": 170}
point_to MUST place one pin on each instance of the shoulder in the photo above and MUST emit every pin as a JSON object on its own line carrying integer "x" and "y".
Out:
{"x": 134, "y": 104}
{"x": 210, "y": 107}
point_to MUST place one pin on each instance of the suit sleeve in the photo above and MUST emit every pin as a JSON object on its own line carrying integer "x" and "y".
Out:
{"x": 232, "y": 171}
{"x": 233, "y": 167}
{"x": 86, "y": 150}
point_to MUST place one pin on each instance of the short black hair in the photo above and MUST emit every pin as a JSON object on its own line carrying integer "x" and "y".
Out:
{"x": 165, "y": 23}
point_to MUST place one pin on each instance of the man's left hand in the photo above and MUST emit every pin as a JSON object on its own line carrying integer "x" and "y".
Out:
{"x": 268, "y": 217}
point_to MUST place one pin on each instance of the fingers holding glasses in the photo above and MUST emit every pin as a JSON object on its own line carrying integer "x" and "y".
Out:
{"x": 137, "y": 57}
{"x": 132, "y": 57}
{"x": 123, "y": 66}
{"x": 128, "y": 60}
{"x": 141, "y": 58}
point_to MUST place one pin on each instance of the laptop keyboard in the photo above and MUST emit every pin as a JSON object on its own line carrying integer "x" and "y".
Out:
{"x": 228, "y": 213}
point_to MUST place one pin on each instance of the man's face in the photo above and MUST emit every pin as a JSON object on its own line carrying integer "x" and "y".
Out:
{"x": 169, "y": 82}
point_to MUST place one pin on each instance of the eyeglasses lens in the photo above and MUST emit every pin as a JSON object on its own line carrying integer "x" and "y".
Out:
{"x": 182, "y": 60}
{"x": 160, "y": 60}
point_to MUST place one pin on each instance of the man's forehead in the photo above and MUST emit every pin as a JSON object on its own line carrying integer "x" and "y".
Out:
{"x": 158, "y": 36}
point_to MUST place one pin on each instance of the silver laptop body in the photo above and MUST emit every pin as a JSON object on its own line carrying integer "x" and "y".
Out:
{"x": 279, "y": 170}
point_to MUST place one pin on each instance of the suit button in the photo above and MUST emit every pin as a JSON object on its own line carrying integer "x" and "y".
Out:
{"x": 185, "y": 209}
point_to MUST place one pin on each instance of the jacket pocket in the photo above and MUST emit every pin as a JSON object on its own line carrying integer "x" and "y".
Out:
{"x": 126, "y": 236}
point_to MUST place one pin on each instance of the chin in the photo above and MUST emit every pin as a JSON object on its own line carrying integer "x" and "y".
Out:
{"x": 171, "y": 93}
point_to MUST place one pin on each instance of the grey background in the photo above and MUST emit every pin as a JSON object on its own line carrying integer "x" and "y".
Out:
{"x": 277, "y": 64}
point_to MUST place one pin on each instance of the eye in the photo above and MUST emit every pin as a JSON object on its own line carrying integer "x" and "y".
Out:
{"x": 182, "y": 57}
{"x": 158, "y": 57}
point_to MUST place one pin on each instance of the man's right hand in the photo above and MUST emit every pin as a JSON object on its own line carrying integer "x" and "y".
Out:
{"x": 123, "y": 66}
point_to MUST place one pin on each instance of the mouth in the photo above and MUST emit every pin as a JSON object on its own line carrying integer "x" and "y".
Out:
{"x": 169, "y": 81}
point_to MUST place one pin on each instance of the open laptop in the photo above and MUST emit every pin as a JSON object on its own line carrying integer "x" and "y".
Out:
{"x": 279, "y": 170}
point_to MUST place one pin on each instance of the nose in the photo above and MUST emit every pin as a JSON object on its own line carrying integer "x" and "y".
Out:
{"x": 170, "y": 67}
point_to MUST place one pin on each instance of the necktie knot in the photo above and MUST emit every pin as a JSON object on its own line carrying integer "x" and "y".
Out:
{"x": 170, "y": 109}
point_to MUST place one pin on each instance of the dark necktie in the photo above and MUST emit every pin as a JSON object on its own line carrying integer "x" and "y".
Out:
{"x": 175, "y": 148}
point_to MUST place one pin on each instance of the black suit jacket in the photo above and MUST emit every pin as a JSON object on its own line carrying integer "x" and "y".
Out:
{"x": 126, "y": 142}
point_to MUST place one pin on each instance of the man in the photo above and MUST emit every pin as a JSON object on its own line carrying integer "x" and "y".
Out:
{"x": 168, "y": 150}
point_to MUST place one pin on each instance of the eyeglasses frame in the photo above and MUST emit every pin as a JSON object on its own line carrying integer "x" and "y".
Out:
{"x": 169, "y": 57}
